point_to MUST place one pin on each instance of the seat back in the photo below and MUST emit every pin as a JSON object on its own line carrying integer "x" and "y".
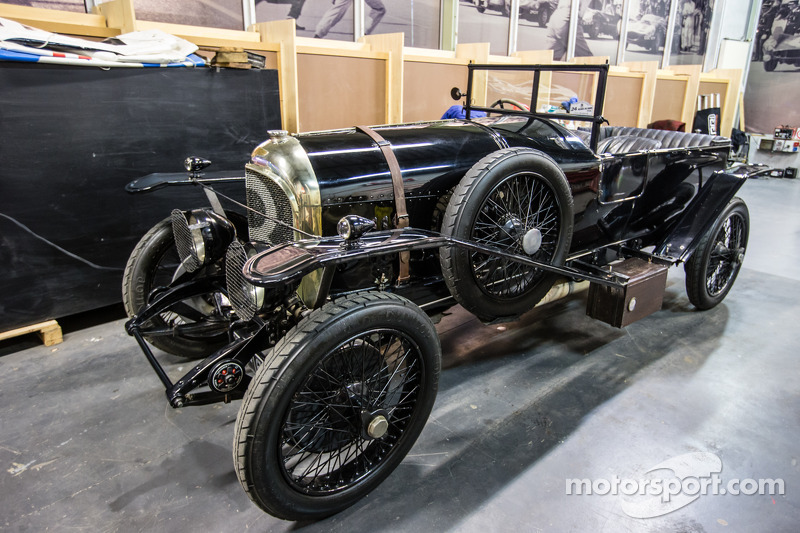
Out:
{"x": 668, "y": 139}
{"x": 626, "y": 144}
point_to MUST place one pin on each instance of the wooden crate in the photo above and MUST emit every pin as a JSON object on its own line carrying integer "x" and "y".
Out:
{"x": 49, "y": 332}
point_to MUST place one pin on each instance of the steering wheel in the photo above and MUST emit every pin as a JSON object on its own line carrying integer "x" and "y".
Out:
{"x": 509, "y": 101}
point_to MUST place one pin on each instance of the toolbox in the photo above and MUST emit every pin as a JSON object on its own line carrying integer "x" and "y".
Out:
{"x": 641, "y": 296}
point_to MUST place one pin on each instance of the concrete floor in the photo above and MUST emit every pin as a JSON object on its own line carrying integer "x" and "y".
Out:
{"x": 87, "y": 441}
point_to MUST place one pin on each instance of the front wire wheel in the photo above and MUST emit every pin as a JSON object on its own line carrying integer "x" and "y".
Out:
{"x": 199, "y": 325}
{"x": 714, "y": 265}
{"x": 337, "y": 405}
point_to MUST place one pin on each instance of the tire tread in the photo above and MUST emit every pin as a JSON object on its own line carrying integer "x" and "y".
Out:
{"x": 276, "y": 360}
{"x": 695, "y": 267}
{"x": 452, "y": 275}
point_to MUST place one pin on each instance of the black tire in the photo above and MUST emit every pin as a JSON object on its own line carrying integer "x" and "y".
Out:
{"x": 592, "y": 31}
{"x": 655, "y": 44}
{"x": 543, "y": 17}
{"x": 480, "y": 9}
{"x": 312, "y": 374}
{"x": 152, "y": 264}
{"x": 488, "y": 286}
{"x": 770, "y": 65}
{"x": 439, "y": 210}
{"x": 714, "y": 265}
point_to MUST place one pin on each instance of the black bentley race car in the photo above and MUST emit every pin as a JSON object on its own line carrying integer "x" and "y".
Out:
{"x": 309, "y": 301}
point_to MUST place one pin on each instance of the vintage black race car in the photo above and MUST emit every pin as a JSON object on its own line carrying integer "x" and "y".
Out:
{"x": 308, "y": 302}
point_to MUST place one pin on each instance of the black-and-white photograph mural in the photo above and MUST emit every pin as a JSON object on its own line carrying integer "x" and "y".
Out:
{"x": 544, "y": 25}
{"x": 647, "y": 30}
{"x": 600, "y": 23}
{"x": 777, "y": 39}
{"x": 334, "y": 19}
{"x": 775, "y": 66}
{"x": 693, "y": 20}
{"x": 417, "y": 19}
{"x": 485, "y": 21}
{"x": 211, "y": 13}
{"x": 324, "y": 19}
{"x": 62, "y": 5}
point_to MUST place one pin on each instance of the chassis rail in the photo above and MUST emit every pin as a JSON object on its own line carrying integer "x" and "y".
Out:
{"x": 289, "y": 262}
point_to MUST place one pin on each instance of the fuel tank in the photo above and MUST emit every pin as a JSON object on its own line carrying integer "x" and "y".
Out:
{"x": 433, "y": 156}
{"x": 350, "y": 167}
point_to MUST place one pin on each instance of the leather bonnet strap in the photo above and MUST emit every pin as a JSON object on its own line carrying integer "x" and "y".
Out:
{"x": 399, "y": 191}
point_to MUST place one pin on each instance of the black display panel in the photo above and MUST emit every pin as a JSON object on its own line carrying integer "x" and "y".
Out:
{"x": 72, "y": 137}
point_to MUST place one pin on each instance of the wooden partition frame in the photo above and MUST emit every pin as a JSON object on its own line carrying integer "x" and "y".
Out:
{"x": 625, "y": 98}
{"x": 279, "y": 42}
{"x": 348, "y": 105}
{"x": 418, "y": 102}
{"x": 675, "y": 94}
{"x": 731, "y": 81}
{"x": 121, "y": 14}
{"x": 648, "y": 70}
{"x": 692, "y": 74}
{"x": 68, "y": 22}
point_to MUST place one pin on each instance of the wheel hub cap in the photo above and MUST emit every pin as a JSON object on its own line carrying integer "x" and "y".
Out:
{"x": 513, "y": 227}
{"x": 377, "y": 427}
{"x": 532, "y": 241}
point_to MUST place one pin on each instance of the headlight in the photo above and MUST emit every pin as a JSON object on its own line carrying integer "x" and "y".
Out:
{"x": 256, "y": 294}
{"x": 352, "y": 227}
{"x": 246, "y": 299}
{"x": 195, "y": 164}
{"x": 201, "y": 237}
{"x": 199, "y": 250}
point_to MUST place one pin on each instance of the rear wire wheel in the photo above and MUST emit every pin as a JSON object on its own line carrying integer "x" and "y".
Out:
{"x": 337, "y": 405}
{"x": 511, "y": 199}
{"x": 714, "y": 265}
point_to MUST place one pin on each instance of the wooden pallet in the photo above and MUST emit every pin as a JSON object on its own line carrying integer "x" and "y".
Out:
{"x": 49, "y": 332}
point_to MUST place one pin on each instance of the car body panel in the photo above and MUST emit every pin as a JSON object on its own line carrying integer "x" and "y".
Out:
{"x": 354, "y": 176}
{"x": 652, "y": 189}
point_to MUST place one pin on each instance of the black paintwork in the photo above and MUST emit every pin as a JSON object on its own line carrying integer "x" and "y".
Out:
{"x": 354, "y": 176}
{"x": 626, "y": 202}
{"x": 289, "y": 262}
{"x": 617, "y": 198}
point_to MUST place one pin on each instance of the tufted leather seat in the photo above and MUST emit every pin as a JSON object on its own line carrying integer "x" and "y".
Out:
{"x": 668, "y": 139}
{"x": 626, "y": 144}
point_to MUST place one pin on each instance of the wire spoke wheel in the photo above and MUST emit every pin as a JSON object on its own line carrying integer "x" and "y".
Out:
{"x": 326, "y": 444}
{"x": 192, "y": 312}
{"x": 517, "y": 200}
{"x": 724, "y": 262}
{"x": 336, "y": 405}
{"x": 518, "y": 205}
{"x": 194, "y": 327}
{"x": 717, "y": 260}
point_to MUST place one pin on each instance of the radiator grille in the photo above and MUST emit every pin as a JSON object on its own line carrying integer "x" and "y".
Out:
{"x": 183, "y": 241}
{"x": 265, "y": 196}
{"x": 240, "y": 292}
